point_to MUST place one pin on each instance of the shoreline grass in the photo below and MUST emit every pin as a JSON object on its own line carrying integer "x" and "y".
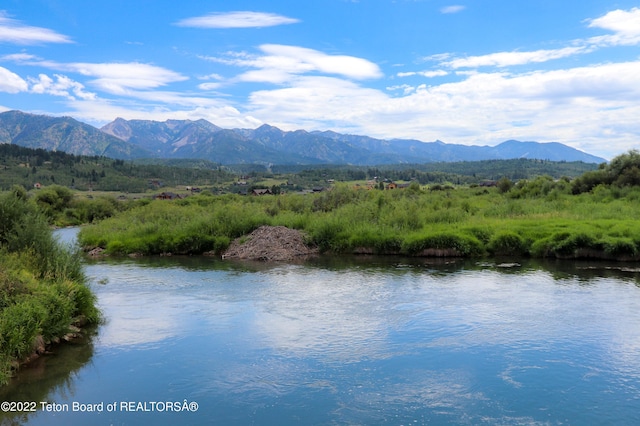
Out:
{"x": 43, "y": 291}
{"x": 465, "y": 221}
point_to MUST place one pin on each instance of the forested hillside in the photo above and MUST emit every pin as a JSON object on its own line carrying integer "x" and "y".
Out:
{"x": 29, "y": 167}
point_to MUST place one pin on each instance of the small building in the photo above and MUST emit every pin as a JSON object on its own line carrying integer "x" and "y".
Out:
{"x": 168, "y": 196}
{"x": 260, "y": 191}
{"x": 394, "y": 185}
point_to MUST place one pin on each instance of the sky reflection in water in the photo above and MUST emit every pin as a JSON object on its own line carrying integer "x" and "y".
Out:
{"x": 401, "y": 343}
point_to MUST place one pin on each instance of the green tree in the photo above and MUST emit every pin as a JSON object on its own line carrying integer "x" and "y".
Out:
{"x": 504, "y": 185}
{"x": 53, "y": 200}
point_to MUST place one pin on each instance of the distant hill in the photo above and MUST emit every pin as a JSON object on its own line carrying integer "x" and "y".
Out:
{"x": 266, "y": 145}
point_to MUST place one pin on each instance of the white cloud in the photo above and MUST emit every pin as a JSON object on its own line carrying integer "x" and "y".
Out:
{"x": 112, "y": 77}
{"x": 620, "y": 21}
{"x": 11, "y": 82}
{"x": 61, "y": 86}
{"x": 209, "y": 86}
{"x": 452, "y": 9}
{"x": 119, "y": 78}
{"x": 405, "y": 88}
{"x": 212, "y": 76}
{"x": 241, "y": 19}
{"x": 625, "y": 25}
{"x": 428, "y": 74}
{"x": 18, "y": 57}
{"x": 505, "y": 59}
{"x": 318, "y": 103}
{"x": 280, "y": 63}
{"x": 13, "y": 31}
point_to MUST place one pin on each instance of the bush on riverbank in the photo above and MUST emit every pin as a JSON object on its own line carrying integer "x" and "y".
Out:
{"x": 42, "y": 285}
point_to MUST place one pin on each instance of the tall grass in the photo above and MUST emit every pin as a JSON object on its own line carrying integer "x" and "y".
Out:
{"x": 42, "y": 285}
{"x": 542, "y": 220}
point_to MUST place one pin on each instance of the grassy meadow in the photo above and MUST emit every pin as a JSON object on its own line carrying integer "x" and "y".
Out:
{"x": 538, "y": 218}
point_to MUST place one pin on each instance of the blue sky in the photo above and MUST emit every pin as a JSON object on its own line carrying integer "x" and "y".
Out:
{"x": 463, "y": 71}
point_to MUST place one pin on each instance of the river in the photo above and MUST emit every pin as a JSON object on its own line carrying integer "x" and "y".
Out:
{"x": 346, "y": 341}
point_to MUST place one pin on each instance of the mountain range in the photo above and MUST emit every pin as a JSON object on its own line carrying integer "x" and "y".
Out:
{"x": 132, "y": 139}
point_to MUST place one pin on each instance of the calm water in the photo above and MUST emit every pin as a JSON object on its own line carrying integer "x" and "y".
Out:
{"x": 348, "y": 341}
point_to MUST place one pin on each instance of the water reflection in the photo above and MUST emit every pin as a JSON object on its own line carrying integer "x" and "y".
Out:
{"x": 55, "y": 372}
{"x": 364, "y": 340}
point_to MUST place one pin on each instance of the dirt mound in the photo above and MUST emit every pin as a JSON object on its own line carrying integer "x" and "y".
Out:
{"x": 270, "y": 243}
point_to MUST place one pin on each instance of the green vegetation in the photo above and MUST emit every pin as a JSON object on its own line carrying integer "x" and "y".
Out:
{"x": 64, "y": 207}
{"x": 42, "y": 286}
{"x": 622, "y": 171}
{"x": 28, "y": 167}
{"x": 458, "y": 173}
{"x": 539, "y": 217}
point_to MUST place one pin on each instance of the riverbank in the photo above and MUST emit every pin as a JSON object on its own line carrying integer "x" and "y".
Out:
{"x": 539, "y": 219}
{"x": 44, "y": 297}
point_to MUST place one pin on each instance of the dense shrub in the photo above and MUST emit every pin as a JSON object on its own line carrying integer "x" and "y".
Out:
{"x": 53, "y": 200}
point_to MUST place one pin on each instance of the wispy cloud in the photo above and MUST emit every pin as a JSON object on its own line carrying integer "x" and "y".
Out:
{"x": 452, "y": 9}
{"x": 505, "y": 59}
{"x": 118, "y": 78}
{"x": 428, "y": 74}
{"x": 15, "y": 32}
{"x": 242, "y": 19}
{"x": 18, "y": 57}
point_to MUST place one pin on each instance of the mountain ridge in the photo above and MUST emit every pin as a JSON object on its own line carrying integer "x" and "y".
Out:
{"x": 131, "y": 139}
